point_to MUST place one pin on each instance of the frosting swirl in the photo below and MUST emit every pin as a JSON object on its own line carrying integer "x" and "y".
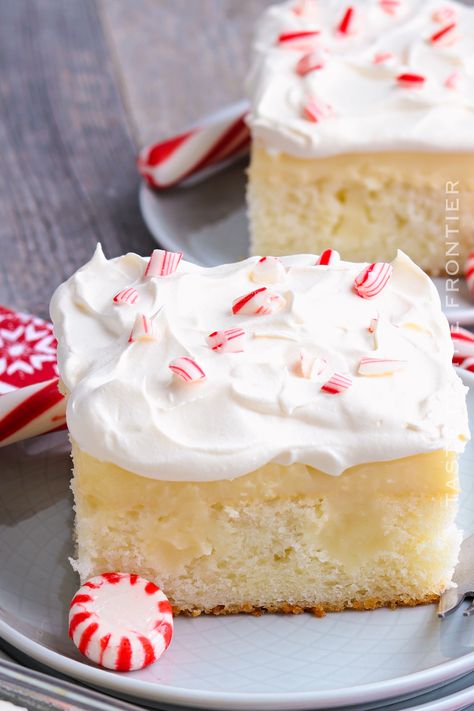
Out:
{"x": 370, "y": 110}
{"x": 125, "y": 406}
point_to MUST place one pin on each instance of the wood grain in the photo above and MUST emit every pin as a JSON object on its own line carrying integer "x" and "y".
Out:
{"x": 67, "y": 176}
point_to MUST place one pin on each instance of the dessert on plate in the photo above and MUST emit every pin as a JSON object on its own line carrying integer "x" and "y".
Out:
{"x": 269, "y": 435}
{"x": 362, "y": 121}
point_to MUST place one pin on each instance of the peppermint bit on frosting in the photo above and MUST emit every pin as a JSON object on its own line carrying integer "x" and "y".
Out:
{"x": 254, "y": 407}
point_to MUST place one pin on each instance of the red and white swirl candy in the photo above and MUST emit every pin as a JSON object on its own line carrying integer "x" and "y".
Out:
{"x": 372, "y": 279}
{"x": 268, "y": 270}
{"x": 120, "y": 621}
{"x": 232, "y": 340}
{"x": 260, "y": 302}
{"x": 187, "y": 369}
{"x": 469, "y": 273}
{"x": 337, "y": 383}
{"x": 463, "y": 342}
{"x": 170, "y": 162}
{"x": 329, "y": 257}
{"x": 370, "y": 366}
{"x": 162, "y": 263}
{"x": 126, "y": 296}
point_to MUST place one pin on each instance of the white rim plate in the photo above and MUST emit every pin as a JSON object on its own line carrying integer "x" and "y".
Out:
{"x": 36, "y": 584}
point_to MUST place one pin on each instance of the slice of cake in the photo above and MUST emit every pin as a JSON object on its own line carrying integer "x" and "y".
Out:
{"x": 268, "y": 435}
{"x": 362, "y": 122}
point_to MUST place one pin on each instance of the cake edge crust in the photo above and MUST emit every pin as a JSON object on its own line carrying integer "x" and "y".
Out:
{"x": 318, "y": 609}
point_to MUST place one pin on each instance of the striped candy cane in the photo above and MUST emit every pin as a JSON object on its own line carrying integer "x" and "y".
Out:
{"x": 328, "y": 258}
{"x": 126, "y": 296}
{"x": 337, "y": 383}
{"x": 162, "y": 263}
{"x": 469, "y": 273}
{"x": 231, "y": 340}
{"x": 170, "y": 162}
{"x": 260, "y": 302}
{"x": 268, "y": 270}
{"x": 187, "y": 369}
{"x": 380, "y": 366}
{"x": 372, "y": 279}
{"x": 463, "y": 342}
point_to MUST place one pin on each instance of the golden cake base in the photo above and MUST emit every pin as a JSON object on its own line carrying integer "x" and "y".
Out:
{"x": 365, "y": 205}
{"x": 280, "y": 539}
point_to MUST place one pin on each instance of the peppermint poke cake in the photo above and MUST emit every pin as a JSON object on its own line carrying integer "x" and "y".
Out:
{"x": 269, "y": 435}
{"x": 361, "y": 117}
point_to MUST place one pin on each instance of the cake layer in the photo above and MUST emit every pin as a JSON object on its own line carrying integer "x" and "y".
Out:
{"x": 279, "y": 538}
{"x": 365, "y": 205}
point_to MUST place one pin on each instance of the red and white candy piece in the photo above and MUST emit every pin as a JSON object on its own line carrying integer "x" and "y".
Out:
{"x": 463, "y": 341}
{"x": 390, "y": 6}
{"x": 162, "y": 263}
{"x": 309, "y": 365}
{"x": 384, "y": 58}
{"x": 300, "y": 40}
{"x": 373, "y": 329}
{"x": 410, "y": 80}
{"x": 268, "y": 270}
{"x": 315, "y": 109}
{"x": 380, "y": 366}
{"x": 372, "y": 279}
{"x": 260, "y": 302}
{"x": 453, "y": 79}
{"x": 171, "y": 161}
{"x": 231, "y": 340}
{"x": 346, "y": 25}
{"x": 468, "y": 364}
{"x": 127, "y": 296}
{"x": 328, "y": 258}
{"x": 469, "y": 272}
{"x": 337, "y": 383}
{"x": 187, "y": 369}
{"x": 442, "y": 34}
{"x": 310, "y": 62}
{"x": 143, "y": 329}
{"x": 120, "y": 621}
{"x": 444, "y": 14}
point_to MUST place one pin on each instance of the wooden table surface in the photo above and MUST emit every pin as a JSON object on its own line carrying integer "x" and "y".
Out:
{"x": 84, "y": 83}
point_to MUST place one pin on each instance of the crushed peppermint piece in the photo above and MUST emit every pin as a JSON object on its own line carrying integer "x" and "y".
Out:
{"x": 380, "y": 366}
{"x": 441, "y": 34}
{"x": 315, "y": 110}
{"x": 301, "y": 40}
{"x": 187, "y": 369}
{"x": 328, "y": 257}
{"x": 468, "y": 364}
{"x": 382, "y": 57}
{"x": 162, "y": 263}
{"x": 346, "y": 25}
{"x": 268, "y": 270}
{"x": 372, "y": 279}
{"x": 390, "y": 6}
{"x": 126, "y": 296}
{"x": 310, "y": 62}
{"x": 143, "y": 329}
{"x": 232, "y": 340}
{"x": 337, "y": 383}
{"x": 452, "y": 80}
{"x": 410, "y": 80}
{"x": 310, "y": 366}
{"x": 260, "y": 302}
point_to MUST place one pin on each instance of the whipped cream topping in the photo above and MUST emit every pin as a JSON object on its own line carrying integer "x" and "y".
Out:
{"x": 364, "y": 107}
{"x": 125, "y": 405}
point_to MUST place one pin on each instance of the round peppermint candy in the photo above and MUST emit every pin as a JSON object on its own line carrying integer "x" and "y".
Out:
{"x": 121, "y": 621}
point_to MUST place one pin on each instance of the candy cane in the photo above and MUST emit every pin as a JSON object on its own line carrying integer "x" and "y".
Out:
{"x": 468, "y": 364}
{"x": 260, "y": 302}
{"x": 328, "y": 258}
{"x": 231, "y": 340}
{"x": 314, "y": 110}
{"x": 170, "y": 162}
{"x": 310, "y": 366}
{"x": 441, "y": 34}
{"x": 310, "y": 62}
{"x": 410, "y": 80}
{"x": 162, "y": 263}
{"x": 337, "y": 383}
{"x": 463, "y": 342}
{"x": 389, "y": 6}
{"x": 120, "y": 621}
{"x": 372, "y": 279}
{"x": 469, "y": 273}
{"x": 268, "y": 270}
{"x": 380, "y": 366}
{"x": 30, "y": 411}
{"x": 143, "y": 329}
{"x": 346, "y": 25}
{"x": 298, "y": 40}
{"x": 187, "y": 369}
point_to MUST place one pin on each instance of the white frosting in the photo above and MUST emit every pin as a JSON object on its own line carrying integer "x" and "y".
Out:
{"x": 126, "y": 407}
{"x": 371, "y": 112}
